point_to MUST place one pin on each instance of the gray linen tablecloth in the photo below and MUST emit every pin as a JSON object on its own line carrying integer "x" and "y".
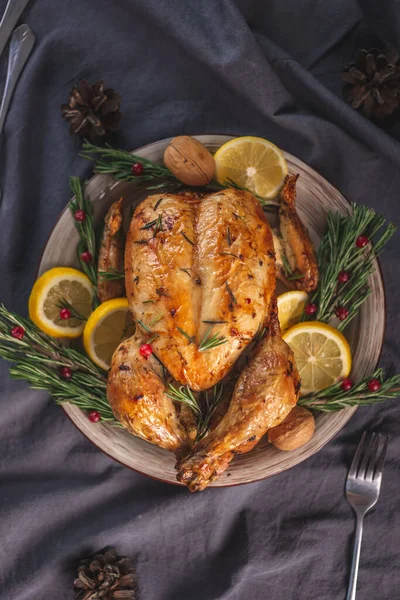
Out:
{"x": 213, "y": 66}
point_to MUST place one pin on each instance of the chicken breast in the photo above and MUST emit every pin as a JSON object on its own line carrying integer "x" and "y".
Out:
{"x": 199, "y": 275}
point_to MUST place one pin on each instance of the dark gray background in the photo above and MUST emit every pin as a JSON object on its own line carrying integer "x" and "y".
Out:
{"x": 211, "y": 66}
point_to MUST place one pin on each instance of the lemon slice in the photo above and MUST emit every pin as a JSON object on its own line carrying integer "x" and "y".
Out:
{"x": 253, "y": 163}
{"x": 107, "y": 326}
{"x": 49, "y": 292}
{"x": 322, "y": 355}
{"x": 290, "y": 308}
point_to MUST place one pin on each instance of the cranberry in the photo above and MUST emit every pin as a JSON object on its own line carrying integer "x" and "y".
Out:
{"x": 374, "y": 385}
{"x": 79, "y": 215}
{"x": 65, "y": 314}
{"x": 362, "y": 241}
{"x": 66, "y": 372}
{"x": 18, "y": 332}
{"x": 342, "y": 313}
{"x": 94, "y": 416}
{"x": 137, "y": 169}
{"x": 146, "y": 350}
{"x": 346, "y": 385}
{"x": 343, "y": 277}
{"x": 86, "y": 256}
{"x": 311, "y": 309}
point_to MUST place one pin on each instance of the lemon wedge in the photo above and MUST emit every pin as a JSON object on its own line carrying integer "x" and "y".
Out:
{"x": 290, "y": 308}
{"x": 105, "y": 329}
{"x": 322, "y": 354}
{"x": 51, "y": 291}
{"x": 253, "y": 163}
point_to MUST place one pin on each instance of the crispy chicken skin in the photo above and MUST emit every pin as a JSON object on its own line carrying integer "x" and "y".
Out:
{"x": 190, "y": 260}
{"x": 136, "y": 393}
{"x": 111, "y": 254}
{"x": 294, "y": 242}
{"x": 265, "y": 393}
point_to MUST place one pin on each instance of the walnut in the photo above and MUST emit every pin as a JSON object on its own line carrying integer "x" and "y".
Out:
{"x": 294, "y": 431}
{"x": 189, "y": 161}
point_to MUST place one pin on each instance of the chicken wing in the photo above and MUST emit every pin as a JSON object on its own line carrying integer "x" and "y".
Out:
{"x": 199, "y": 273}
{"x": 264, "y": 394}
{"x": 296, "y": 262}
{"x": 111, "y": 255}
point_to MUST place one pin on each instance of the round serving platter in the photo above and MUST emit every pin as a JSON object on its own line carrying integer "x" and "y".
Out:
{"x": 315, "y": 198}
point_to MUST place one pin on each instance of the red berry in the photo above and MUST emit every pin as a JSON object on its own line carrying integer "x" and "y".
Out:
{"x": 342, "y": 313}
{"x": 346, "y": 385}
{"x": 65, "y": 313}
{"x": 362, "y": 241}
{"x": 343, "y": 277}
{"x": 137, "y": 169}
{"x": 94, "y": 416}
{"x": 146, "y": 350}
{"x": 66, "y": 372}
{"x": 86, "y": 256}
{"x": 310, "y": 309}
{"x": 18, "y": 332}
{"x": 374, "y": 385}
{"x": 79, "y": 215}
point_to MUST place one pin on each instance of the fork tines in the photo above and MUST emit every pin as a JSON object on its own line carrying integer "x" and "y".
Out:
{"x": 369, "y": 457}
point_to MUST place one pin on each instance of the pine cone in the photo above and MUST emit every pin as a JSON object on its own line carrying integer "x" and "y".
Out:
{"x": 105, "y": 576}
{"x": 373, "y": 82}
{"x": 92, "y": 110}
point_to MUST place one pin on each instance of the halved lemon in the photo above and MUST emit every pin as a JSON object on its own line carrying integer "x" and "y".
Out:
{"x": 290, "y": 308}
{"x": 252, "y": 162}
{"x": 322, "y": 354}
{"x": 51, "y": 291}
{"x": 107, "y": 326}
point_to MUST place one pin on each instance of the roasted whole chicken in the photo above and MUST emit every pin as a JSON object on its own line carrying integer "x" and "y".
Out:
{"x": 200, "y": 280}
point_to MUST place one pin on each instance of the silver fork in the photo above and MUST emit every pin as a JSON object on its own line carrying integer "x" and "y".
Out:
{"x": 363, "y": 485}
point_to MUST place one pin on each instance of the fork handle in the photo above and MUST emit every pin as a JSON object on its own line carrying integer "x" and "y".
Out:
{"x": 351, "y": 593}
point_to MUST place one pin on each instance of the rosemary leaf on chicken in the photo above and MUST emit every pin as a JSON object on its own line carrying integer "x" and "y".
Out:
{"x": 203, "y": 406}
{"x": 346, "y": 260}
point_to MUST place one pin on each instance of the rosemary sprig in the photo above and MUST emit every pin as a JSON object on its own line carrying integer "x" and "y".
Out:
{"x": 74, "y": 313}
{"x": 203, "y": 405}
{"x": 259, "y": 334}
{"x": 210, "y": 402}
{"x": 211, "y": 341}
{"x": 149, "y": 225}
{"x": 334, "y": 398}
{"x": 144, "y": 326}
{"x": 186, "y": 396}
{"x": 86, "y": 231}
{"x": 231, "y": 294}
{"x": 38, "y": 359}
{"x": 338, "y": 252}
{"x": 118, "y": 164}
{"x": 187, "y": 336}
{"x": 228, "y": 236}
{"x": 187, "y": 238}
{"x": 286, "y": 266}
{"x": 112, "y": 274}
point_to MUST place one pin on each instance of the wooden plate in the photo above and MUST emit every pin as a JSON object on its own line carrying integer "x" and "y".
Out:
{"x": 315, "y": 198}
